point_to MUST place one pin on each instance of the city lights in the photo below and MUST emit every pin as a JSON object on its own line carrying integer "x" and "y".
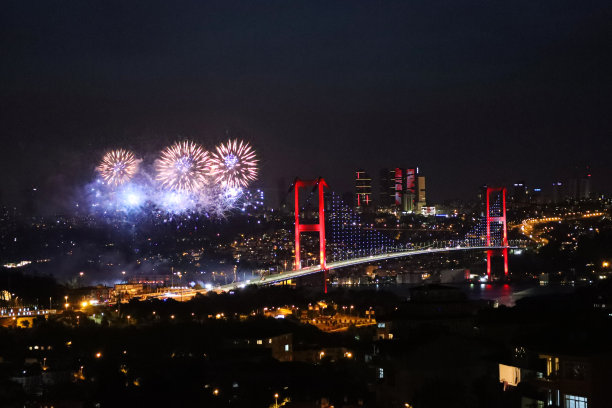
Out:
{"x": 306, "y": 204}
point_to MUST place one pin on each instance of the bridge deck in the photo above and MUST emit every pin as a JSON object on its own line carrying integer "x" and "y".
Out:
{"x": 281, "y": 277}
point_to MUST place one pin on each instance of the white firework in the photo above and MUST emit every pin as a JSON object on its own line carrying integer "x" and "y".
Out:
{"x": 184, "y": 166}
{"x": 234, "y": 164}
{"x": 118, "y": 167}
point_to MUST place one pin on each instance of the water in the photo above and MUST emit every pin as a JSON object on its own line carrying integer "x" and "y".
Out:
{"x": 509, "y": 294}
{"x": 506, "y": 294}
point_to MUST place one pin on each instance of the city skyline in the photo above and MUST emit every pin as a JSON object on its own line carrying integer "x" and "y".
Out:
{"x": 320, "y": 204}
{"x": 474, "y": 93}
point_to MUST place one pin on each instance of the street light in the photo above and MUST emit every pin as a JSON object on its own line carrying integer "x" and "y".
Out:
{"x": 276, "y": 400}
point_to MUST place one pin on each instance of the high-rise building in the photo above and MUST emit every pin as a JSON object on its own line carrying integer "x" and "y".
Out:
{"x": 536, "y": 195}
{"x": 408, "y": 202}
{"x": 557, "y": 192}
{"x": 519, "y": 193}
{"x": 585, "y": 187}
{"x": 363, "y": 189}
{"x": 579, "y": 187}
{"x": 421, "y": 198}
{"x": 387, "y": 188}
{"x": 399, "y": 189}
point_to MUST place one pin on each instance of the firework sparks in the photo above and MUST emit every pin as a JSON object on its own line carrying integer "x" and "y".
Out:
{"x": 118, "y": 167}
{"x": 183, "y": 167}
{"x": 234, "y": 165}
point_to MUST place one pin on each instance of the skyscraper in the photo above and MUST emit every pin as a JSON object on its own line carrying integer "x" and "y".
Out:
{"x": 387, "y": 188}
{"x": 557, "y": 192}
{"x": 408, "y": 203}
{"x": 421, "y": 198}
{"x": 363, "y": 189}
{"x": 579, "y": 187}
{"x": 518, "y": 193}
{"x": 399, "y": 189}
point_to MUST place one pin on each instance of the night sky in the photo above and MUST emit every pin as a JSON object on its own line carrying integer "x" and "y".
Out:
{"x": 470, "y": 91}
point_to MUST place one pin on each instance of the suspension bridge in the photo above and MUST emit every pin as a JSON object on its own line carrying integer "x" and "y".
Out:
{"x": 346, "y": 241}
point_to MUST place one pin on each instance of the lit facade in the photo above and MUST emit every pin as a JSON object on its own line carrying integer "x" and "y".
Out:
{"x": 399, "y": 189}
{"x": 363, "y": 189}
{"x": 421, "y": 196}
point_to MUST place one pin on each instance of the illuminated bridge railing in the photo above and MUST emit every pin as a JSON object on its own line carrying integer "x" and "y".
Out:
{"x": 373, "y": 255}
{"x": 377, "y": 255}
{"x": 349, "y": 236}
{"x": 391, "y": 249}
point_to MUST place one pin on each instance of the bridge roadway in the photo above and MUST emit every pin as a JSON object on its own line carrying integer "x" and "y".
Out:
{"x": 285, "y": 276}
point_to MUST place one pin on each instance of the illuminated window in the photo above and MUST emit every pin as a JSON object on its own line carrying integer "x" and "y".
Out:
{"x": 381, "y": 373}
{"x": 573, "y": 401}
{"x": 259, "y": 341}
{"x": 552, "y": 366}
{"x": 286, "y": 347}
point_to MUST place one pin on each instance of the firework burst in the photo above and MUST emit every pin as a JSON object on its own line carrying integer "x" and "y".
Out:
{"x": 234, "y": 165}
{"x": 183, "y": 167}
{"x": 118, "y": 167}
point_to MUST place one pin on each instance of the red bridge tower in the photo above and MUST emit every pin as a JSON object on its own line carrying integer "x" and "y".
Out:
{"x": 320, "y": 184}
{"x": 497, "y": 219}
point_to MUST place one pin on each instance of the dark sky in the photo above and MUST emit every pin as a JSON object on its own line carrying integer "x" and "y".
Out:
{"x": 470, "y": 91}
